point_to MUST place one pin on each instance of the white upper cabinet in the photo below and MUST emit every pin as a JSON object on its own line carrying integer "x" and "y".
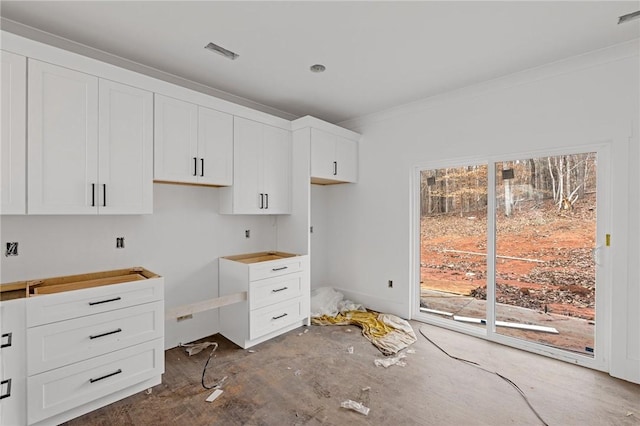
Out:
{"x": 261, "y": 170}
{"x": 215, "y": 147}
{"x": 193, "y": 144}
{"x": 125, "y": 157}
{"x": 334, "y": 158}
{"x": 62, "y": 140}
{"x": 13, "y": 90}
{"x": 89, "y": 144}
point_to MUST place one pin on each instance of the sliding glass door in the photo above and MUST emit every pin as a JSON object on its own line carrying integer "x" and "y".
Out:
{"x": 511, "y": 250}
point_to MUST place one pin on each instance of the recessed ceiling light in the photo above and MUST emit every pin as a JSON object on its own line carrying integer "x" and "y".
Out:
{"x": 629, "y": 17}
{"x": 317, "y": 68}
{"x": 222, "y": 51}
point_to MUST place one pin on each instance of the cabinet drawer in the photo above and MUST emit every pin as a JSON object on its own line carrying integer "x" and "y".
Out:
{"x": 271, "y": 318}
{"x": 65, "y": 342}
{"x": 273, "y": 290}
{"x": 68, "y": 387}
{"x": 275, "y": 268}
{"x": 78, "y": 303}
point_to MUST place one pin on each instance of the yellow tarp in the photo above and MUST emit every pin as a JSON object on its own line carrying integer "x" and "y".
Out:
{"x": 388, "y": 333}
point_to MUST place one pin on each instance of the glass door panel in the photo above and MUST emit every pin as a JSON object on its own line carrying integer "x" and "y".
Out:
{"x": 453, "y": 242}
{"x": 545, "y": 236}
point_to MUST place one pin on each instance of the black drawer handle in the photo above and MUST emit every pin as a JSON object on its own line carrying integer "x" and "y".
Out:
{"x": 280, "y": 269}
{"x": 279, "y": 316}
{"x": 9, "y": 338}
{"x": 95, "y": 336}
{"x": 105, "y": 376}
{"x": 115, "y": 299}
{"x": 7, "y": 394}
{"x": 279, "y": 289}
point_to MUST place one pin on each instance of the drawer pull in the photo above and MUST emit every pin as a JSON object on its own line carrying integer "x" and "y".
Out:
{"x": 105, "y": 301}
{"x": 7, "y": 394}
{"x": 279, "y": 316}
{"x": 118, "y": 371}
{"x": 279, "y": 289}
{"x": 95, "y": 336}
{"x": 8, "y": 336}
{"x": 280, "y": 269}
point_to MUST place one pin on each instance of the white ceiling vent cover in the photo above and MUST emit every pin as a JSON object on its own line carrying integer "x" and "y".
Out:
{"x": 222, "y": 51}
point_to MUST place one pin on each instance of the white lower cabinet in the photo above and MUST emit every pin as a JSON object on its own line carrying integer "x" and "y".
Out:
{"x": 13, "y": 374}
{"x": 278, "y": 296}
{"x": 73, "y": 351}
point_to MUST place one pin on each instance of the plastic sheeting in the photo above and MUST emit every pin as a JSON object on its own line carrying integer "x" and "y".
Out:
{"x": 389, "y": 333}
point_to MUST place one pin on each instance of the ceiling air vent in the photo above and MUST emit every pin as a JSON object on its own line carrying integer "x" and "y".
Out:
{"x": 222, "y": 51}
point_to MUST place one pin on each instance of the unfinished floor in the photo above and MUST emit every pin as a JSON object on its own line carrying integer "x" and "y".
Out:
{"x": 301, "y": 379}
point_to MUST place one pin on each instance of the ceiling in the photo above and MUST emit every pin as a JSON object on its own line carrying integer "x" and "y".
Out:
{"x": 378, "y": 55}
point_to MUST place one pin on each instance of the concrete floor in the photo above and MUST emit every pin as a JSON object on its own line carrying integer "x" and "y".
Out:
{"x": 301, "y": 379}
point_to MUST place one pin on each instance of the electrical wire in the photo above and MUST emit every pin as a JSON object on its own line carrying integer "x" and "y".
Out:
{"x": 506, "y": 379}
{"x": 204, "y": 371}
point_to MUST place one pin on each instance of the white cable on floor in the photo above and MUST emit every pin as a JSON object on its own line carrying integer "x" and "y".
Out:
{"x": 475, "y": 364}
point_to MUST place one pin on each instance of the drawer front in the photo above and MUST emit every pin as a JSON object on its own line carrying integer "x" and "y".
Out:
{"x": 50, "y": 308}
{"x": 271, "y": 318}
{"x": 273, "y": 290}
{"x": 275, "y": 268}
{"x": 62, "y": 389}
{"x": 65, "y": 342}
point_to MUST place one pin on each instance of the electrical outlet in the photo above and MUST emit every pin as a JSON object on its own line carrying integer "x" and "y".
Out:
{"x": 247, "y": 233}
{"x": 185, "y": 317}
{"x": 119, "y": 242}
{"x": 12, "y": 249}
{"x": 390, "y": 284}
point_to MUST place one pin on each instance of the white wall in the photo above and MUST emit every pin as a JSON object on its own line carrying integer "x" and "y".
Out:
{"x": 583, "y": 100}
{"x": 318, "y": 239}
{"x": 181, "y": 241}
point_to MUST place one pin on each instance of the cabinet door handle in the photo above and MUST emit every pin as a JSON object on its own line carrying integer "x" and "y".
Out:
{"x": 105, "y": 301}
{"x": 202, "y": 167}
{"x": 7, "y": 394}
{"x": 9, "y": 338}
{"x": 261, "y": 201}
{"x": 118, "y": 371}
{"x": 96, "y": 336}
{"x": 104, "y": 195}
{"x": 195, "y": 166}
{"x": 280, "y": 268}
{"x": 267, "y": 203}
{"x": 279, "y": 316}
{"x": 93, "y": 195}
{"x": 335, "y": 168}
{"x": 279, "y": 289}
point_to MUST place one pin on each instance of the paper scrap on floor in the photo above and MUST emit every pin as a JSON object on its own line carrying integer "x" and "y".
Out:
{"x": 389, "y": 333}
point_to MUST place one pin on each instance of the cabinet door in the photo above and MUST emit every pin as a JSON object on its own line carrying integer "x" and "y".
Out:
{"x": 247, "y": 190}
{"x": 346, "y": 160}
{"x": 175, "y": 140}
{"x": 62, "y": 140}
{"x": 215, "y": 147}
{"x": 125, "y": 181}
{"x": 13, "y": 128}
{"x": 323, "y": 154}
{"x": 13, "y": 368}
{"x": 277, "y": 170}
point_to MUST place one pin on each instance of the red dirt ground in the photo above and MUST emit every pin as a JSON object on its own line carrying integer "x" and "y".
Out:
{"x": 563, "y": 282}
